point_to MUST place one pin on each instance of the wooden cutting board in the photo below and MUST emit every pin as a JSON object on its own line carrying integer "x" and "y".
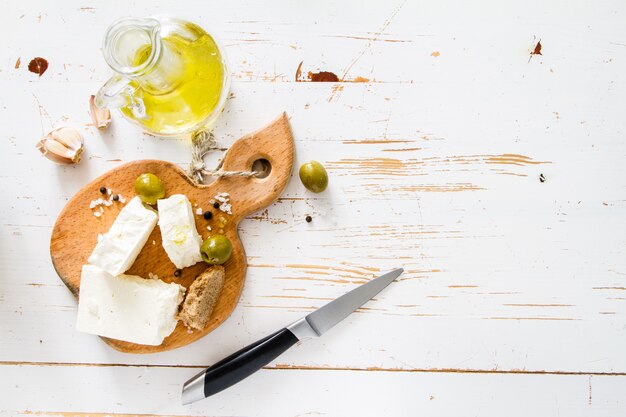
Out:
{"x": 76, "y": 230}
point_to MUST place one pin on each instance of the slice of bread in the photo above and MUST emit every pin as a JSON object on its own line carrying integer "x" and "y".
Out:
{"x": 202, "y": 297}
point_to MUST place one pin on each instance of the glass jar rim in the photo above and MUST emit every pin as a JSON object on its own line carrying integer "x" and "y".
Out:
{"x": 120, "y": 27}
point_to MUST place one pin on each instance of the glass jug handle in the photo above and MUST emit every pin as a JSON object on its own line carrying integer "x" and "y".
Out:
{"x": 116, "y": 93}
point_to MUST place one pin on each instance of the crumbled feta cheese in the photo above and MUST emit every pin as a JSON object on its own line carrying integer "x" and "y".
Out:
{"x": 97, "y": 214}
{"x": 199, "y": 211}
{"x": 95, "y": 203}
{"x": 101, "y": 209}
{"x": 208, "y": 228}
{"x": 226, "y": 208}
{"x": 107, "y": 203}
{"x": 109, "y": 191}
{"x": 152, "y": 276}
{"x": 224, "y": 199}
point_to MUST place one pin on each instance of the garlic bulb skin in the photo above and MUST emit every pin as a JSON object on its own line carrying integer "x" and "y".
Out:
{"x": 63, "y": 145}
{"x": 101, "y": 118}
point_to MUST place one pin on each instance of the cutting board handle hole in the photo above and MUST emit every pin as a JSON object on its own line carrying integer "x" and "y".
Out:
{"x": 262, "y": 167}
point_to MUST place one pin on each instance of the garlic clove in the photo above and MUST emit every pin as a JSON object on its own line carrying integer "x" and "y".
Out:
{"x": 56, "y": 152}
{"x": 68, "y": 137}
{"x": 63, "y": 145}
{"x": 101, "y": 117}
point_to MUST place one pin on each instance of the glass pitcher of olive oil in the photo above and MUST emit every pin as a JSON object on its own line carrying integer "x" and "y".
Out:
{"x": 170, "y": 75}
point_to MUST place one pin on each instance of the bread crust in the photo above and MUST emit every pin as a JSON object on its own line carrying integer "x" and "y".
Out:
{"x": 202, "y": 297}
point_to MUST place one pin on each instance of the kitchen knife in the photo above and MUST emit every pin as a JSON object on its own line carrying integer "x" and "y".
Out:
{"x": 250, "y": 359}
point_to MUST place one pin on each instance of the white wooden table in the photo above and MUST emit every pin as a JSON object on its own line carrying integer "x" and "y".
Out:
{"x": 514, "y": 299}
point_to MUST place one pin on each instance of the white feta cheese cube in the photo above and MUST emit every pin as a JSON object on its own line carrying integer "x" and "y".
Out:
{"x": 127, "y": 307}
{"x": 119, "y": 247}
{"x": 181, "y": 240}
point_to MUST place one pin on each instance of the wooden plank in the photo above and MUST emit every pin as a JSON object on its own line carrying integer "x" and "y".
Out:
{"x": 156, "y": 391}
{"x": 435, "y": 163}
{"x": 399, "y": 41}
{"x": 505, "y": 275}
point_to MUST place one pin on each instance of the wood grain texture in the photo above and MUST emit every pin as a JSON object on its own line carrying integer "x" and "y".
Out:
{"x": 76, "y": 230}
{"x": 338, "y": 393}
{"x": 505, "y": 274}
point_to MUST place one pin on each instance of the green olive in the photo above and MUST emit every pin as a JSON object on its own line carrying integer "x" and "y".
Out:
{"x": 314, "y": 176}
{"x": 216, "y": 250}
{"x": 149, "y": 188}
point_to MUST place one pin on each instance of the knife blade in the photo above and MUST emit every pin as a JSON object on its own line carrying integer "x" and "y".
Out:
{"x": 250, "y": 359}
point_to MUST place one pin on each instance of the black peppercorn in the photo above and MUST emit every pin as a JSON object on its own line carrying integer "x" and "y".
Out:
{"x": 116, "y": 197}
{"x": 308, "y": 219}
{"x": 177, "y": 273}
{"x": 208, "y": 215}
{"x": 216, "y": 205}
{"x": 103, "y": 190}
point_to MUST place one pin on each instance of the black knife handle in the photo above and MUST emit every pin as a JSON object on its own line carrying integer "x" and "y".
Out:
{"x": 246, "y": 361}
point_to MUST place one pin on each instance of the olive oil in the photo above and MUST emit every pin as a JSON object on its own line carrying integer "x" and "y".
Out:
{"x": 183, "y": 88}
